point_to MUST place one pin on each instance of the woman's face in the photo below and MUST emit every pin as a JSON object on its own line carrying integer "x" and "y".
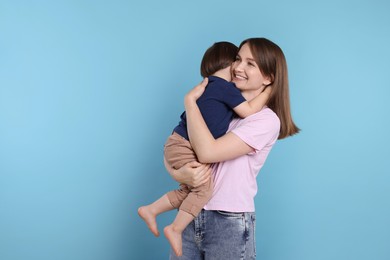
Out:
{"x": 245, "y": 72}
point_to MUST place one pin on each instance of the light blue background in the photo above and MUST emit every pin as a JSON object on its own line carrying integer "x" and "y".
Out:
{"x": 90, "y": 90}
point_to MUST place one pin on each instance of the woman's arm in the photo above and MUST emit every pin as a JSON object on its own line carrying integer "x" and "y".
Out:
{"x": 208, "y": 149}
{"x": 193, "y": 174}
{"x": 248, "y": 108}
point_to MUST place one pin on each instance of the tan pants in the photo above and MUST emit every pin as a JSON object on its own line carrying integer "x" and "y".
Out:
{"x": 178, "y": 152}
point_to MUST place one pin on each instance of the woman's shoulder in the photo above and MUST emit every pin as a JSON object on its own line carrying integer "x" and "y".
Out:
{"x": 266, "y": 119}
{"x": 265, "y": 114}
{"x": 258, "y": 130}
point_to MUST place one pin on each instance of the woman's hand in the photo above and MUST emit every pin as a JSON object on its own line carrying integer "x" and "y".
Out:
{"x": 192, "y": 174}
{"x": 196, "y": 92}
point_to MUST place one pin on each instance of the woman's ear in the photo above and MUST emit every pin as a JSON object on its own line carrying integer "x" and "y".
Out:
{"x": 267, "y": 81}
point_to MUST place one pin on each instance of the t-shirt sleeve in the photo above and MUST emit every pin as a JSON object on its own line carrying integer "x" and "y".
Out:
{"x": 231, "y": 95}
{"x": 259, "y": 130}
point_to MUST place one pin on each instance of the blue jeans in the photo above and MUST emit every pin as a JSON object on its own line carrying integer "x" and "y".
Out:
{"x": 221, "y": 235}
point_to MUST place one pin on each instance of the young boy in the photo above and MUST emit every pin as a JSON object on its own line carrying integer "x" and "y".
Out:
{"x": 218, "y": 104}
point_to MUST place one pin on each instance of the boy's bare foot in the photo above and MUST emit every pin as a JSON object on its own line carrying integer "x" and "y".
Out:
{"x": 174, "y": 238}
{"x": 145, "y": 213}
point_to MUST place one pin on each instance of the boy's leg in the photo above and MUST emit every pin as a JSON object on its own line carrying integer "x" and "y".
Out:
{"x": 176, "y": 197}
{"x": 197, "y": 198}
{"x": 179, "y": 151}
{"x": 149, "y": 212}
{"x": 191, "y": 237}
{"x": 189, "y": 209}
{"x": 174, "y": 231}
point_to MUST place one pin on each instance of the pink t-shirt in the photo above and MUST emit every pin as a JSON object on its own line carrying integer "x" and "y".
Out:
{"x": 235, "y": 183}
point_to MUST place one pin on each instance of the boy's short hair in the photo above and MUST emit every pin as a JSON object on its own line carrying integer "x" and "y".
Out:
{"x": 219, "y": 56}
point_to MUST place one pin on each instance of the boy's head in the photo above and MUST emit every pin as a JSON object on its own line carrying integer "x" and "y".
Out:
{"x": 219, "y": 56}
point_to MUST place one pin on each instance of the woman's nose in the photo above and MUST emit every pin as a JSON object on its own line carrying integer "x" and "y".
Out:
{"x": 238, "y": 66}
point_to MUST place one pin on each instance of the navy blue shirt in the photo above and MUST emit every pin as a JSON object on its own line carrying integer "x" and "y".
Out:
{"x": 216, "y": 105}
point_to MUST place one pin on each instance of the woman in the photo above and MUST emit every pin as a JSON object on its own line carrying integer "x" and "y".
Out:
{"x": 225, "y": 227}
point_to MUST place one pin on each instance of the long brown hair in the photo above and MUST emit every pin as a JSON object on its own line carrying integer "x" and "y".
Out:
{"x": 272, "y": 63}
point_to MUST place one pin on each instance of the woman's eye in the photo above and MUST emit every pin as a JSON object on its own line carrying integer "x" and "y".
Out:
{"x": 237, "y": 58}
{"x": 251, "y": 64}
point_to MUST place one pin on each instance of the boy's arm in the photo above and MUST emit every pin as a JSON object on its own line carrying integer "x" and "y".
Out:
{"x": 248, "y": 108}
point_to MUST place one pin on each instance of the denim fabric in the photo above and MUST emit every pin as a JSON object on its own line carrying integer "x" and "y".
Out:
{"x": 219, "y": 235}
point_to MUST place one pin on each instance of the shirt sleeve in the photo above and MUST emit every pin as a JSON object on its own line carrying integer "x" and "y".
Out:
{"x": 259, "y": 130}
{"x": 231, "y": 95}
